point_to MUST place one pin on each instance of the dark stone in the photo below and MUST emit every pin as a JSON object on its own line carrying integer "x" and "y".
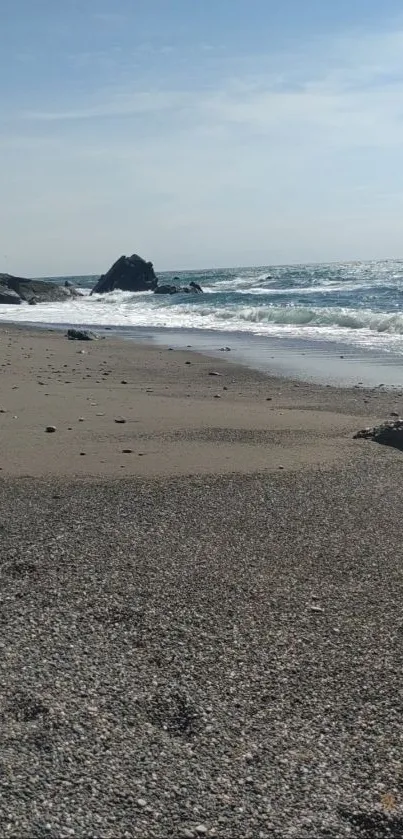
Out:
{"x": 128, "y": 273}
{"x": 42, "y": 291}
{"x": 81, "y": 335}
{"x": 7, "y": 295}
{"x": 390, "y": 433}
{"x": 166, "y": 289}
{"x": 192, "y": 288}
{"x": 196, "y": 287}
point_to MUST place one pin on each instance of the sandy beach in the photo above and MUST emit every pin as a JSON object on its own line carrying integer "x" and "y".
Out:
{"x": 124, "y": 407}
{"x": 201, "y": 605}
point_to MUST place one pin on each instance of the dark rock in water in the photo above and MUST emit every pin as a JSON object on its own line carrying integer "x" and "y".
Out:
{"x": 7, "y": 295}
{"x": 40, "y": 290}
{"x": 81, "y": 335}
{"x": 132, "y": 273}
{"x": 128, "y": 273}
{"x": 192, "y": 288}
{"x": 390, "y": 433}
{"x": 196, "y": 287}
{"x": 166, "y": 289}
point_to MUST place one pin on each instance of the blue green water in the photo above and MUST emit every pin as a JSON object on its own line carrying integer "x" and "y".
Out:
{"x": 358, "y": 305}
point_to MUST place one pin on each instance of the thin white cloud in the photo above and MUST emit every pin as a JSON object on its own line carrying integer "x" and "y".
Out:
{"x": 121, "y": 105}
{"x": 268, "y": 161}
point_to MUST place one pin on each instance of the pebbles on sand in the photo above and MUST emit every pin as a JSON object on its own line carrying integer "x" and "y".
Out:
{"x": 160, "y": 673}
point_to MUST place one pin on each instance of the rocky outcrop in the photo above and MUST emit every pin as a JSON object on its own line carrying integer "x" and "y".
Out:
{"x": 192, "y": 288}
{"x": 33, "y": 291}
{"x": 390, "y": 433}
{"x": 132, "y": 273}
{"x": 7, "y": 295}
{"x": 128, "y": 273}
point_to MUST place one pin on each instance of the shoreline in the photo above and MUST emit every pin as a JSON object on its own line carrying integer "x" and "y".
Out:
{"x": 298, "y": 359}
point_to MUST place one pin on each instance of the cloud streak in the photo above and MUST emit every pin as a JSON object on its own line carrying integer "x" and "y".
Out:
{"x": 293, "y": 154}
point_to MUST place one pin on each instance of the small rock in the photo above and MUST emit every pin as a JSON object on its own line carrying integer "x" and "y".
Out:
{"x": 123, "y": 382}
{"x": 50, "y": 429}
{"x": 120, "y": 420}
{"x": 394, "y": 413}
{"x": 317, "y": 610}
{"x": 217, "y": 396}
{"x": 127, "y": 451}
{"x": 81, "y": 335}
{"x": 141, "y": 802}
{"x": 214, "y": 373}
{"x": 201, "y": 829}
{"x": 269, "y": 398}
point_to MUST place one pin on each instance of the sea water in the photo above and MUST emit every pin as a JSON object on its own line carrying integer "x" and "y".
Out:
{"x": 354, "y": 307}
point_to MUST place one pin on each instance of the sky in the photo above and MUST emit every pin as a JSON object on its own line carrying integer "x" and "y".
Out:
{"x": 199, "y": 133}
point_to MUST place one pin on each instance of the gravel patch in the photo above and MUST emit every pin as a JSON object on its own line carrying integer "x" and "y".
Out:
{"x": 216, "y": 657}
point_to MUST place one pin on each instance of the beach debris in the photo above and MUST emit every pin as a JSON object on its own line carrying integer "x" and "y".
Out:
{"x": 81, "y": 335}
{"x": 120, "y": 420}
{"x": 390, "y": 433}
{"x": 50, "y": 429}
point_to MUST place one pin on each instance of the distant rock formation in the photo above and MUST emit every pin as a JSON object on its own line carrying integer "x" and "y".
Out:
{"x": 128, "y": 273}
{"x": 18, "y": 289}
{"x": 132, "y": 273}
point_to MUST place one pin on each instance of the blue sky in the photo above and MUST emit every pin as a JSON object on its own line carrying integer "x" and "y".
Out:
{"x": 199, "y": 133}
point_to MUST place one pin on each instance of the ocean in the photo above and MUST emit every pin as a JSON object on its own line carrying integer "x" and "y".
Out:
{"x": 351, "y": 309}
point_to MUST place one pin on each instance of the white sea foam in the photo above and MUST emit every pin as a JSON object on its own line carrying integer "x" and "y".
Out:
{"x": 369, "y": 310}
